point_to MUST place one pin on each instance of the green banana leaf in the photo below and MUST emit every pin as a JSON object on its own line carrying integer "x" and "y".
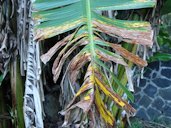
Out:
{"x": 54, "y": 17}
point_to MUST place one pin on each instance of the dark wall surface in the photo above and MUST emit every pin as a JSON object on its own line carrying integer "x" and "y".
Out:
{"x": 153, "y": 96}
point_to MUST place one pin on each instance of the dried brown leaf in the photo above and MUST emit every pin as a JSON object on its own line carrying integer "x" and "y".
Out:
{"x": 131, "y": 36}
{"x": 76, "y": 64}
{"x": 128, "y": 55}
{"x": 59, "y": 61}
{"x": 47, "y": 56}
{"x": 107, "y": 58}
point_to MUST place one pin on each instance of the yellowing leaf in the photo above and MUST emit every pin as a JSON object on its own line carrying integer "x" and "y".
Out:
{"x": 115, "y": 97}
{"x": 106, "y": 115}
{"x": 87, "y": 98}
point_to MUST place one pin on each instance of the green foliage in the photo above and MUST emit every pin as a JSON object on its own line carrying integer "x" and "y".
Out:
{"x": 164, "y": 40}
{"x": 1, "y": 79}
{"x": 160, "y": 57}
{"x": 167, "y": 7}
{"x": 135, "y": 123}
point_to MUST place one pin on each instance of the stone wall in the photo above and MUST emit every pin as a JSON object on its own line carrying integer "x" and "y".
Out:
{"x": 153, "y": 96}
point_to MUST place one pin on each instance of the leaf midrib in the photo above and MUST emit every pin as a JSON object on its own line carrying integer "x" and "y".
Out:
{"x": 90, "y": 29}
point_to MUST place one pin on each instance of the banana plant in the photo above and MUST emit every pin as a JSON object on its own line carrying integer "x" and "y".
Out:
{"x": 88, "y": 105}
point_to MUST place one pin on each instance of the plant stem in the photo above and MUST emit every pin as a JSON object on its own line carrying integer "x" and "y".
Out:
{"x": 17, "y": 94}
{"x": 2, "y": 108}
{"x": 90, "y": 28}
